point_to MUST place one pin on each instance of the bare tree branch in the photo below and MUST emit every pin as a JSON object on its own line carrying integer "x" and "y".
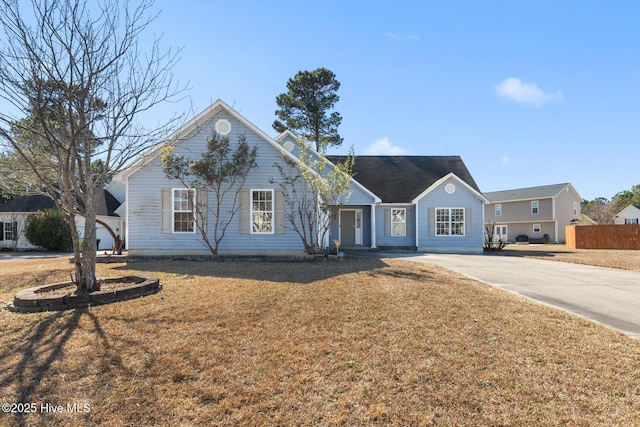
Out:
{"x": 77, "y": 81}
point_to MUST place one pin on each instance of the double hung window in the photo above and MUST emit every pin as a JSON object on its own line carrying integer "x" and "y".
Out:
{"x": 399, "y": 222}
{"x": 262, "y": 210}
{"x": 450, "y": 222}
{"x": 184, "y": 211}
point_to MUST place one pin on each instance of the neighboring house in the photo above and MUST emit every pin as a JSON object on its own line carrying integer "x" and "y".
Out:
{"x": 14, "y": 213}
{"x": 424, "y": 203}
{"x": 628, "y": 215}
{"x": 533, "y": 211}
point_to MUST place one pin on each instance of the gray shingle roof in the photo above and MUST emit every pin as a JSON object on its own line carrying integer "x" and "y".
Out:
{"x": 36, "y": 202}
{"x": 541, "y": 192}
{"x": 399, "y": 179}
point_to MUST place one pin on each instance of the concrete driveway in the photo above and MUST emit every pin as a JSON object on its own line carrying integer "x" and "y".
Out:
{"x": 605, "y": 295}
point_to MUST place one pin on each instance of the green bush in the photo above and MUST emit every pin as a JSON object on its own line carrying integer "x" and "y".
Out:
{"x": 49, "y": 230}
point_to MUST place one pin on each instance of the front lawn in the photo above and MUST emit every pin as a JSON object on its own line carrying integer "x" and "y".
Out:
{"x": 361, "y": 342}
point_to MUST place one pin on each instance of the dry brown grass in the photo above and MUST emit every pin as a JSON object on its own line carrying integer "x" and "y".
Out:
{"x": 622, "y": 259}
{"x": 361, "y": 342}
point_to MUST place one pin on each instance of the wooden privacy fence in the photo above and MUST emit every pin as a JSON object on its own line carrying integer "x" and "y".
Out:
{"x": 619, "y": 236}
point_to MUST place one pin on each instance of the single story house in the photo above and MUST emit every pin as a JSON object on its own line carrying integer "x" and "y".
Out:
{"x": 628, "y": 215}
{"x": 533, "y": 211}
{"x": 424, "y": 203}
{"x": 14, "y": 213}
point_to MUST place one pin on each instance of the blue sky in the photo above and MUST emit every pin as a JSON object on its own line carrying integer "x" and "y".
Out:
{"x": 527, "y": 93}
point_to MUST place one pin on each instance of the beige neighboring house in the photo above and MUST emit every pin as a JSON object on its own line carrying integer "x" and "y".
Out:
{"x": 628, "y": 215}
{"x": 534, "y": 212}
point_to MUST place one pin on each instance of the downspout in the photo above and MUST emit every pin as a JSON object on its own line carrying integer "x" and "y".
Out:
{"x": 373, "y": 226}
{"x": 125, "y": 230}
{"x": 415, "y": 225}
{"x": 555, "y": 219}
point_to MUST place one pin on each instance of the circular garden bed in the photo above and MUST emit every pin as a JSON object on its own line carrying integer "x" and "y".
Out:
{"x": 64, "y": 296}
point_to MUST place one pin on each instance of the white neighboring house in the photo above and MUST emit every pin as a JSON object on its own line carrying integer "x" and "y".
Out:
{"x": 628, "y": 215}
{"x": 14, "y": 213}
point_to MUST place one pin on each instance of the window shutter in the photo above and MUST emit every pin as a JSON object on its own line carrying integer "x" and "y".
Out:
{"x": 166, "y": 210}
{"x": 432, "y": 221}
{"x": 387, "y": 221}
{"x": 245, "y": 220}
{"x": 1, "y": 231}
{"x": 468, "y": 231}
{"x": 15, "y": 231}
{"x": 201, "y": 208}
{"x": 409, "y": 221}
{"x": 279, "y": 216}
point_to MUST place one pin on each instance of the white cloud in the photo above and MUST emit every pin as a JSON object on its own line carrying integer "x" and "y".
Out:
{"x": 413, "y": 37}
{"x": 382, "y": 147}
{"x": 508, "y": 161}
{"x": 525, "y": 93}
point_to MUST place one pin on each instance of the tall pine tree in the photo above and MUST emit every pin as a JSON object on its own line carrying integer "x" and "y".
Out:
{"x": 305, "y": 109}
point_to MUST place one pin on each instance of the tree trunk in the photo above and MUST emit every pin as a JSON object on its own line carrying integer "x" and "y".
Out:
{"x": 87, "y": 281}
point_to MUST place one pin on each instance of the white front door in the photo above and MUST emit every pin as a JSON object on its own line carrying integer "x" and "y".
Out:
{"x": 358, "y": 226}
{"x": 500, "y": 233}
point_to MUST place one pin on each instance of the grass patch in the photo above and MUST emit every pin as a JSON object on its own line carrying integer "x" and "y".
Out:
{"x": 612, "y": 258}
{"x": 361, "y": 342}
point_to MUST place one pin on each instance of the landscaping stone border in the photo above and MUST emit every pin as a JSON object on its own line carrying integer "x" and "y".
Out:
{"x": 33, "y": 300}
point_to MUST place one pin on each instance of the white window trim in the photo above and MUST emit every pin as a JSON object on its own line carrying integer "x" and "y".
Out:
{"x": 575, "y": 208}
{"x": 273, "y": 210}
{"x": 539, "y": 228}
{"x": 8, "y": 231}
{"x": 403, "y": 222}
{"x": 498, "y": 209}
{"x": 174, "y": 211}
{"x": 464, "y": 223}
{"x": 537, "y": 207}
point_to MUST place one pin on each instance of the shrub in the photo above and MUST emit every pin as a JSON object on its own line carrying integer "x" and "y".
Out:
{"x": 49, "y": 230}
{"x": 490, "y": 243}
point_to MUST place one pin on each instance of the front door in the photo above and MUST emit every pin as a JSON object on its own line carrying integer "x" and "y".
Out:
{"x": 347, "y": 228}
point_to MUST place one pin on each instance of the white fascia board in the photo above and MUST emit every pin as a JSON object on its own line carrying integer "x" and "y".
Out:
{"x": 189, "y": 127}
{"x": 284, "y": 135}
{"x": 460, "y": 181}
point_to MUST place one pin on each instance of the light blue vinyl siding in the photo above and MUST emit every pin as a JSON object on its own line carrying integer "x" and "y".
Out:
{"x": 383, "y": 223}
{"x": 357, "y": 196}
{"x": 144, "y": 199}
{"x": 472, "y": 241}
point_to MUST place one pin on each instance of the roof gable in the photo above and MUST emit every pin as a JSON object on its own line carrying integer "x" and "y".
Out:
{"x": 197, "y": 122}
{"x": 452, "y": 176}
{"x": 400, "y": 179}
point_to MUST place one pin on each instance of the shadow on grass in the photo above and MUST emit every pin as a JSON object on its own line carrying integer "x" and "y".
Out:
{"x": 303, "y": 272}
{"x": 39, "y": 350}
{"x": 541, "y": 252}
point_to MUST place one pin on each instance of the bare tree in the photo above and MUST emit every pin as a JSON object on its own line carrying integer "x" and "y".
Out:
{"x": 314, "y": 189}
{"x": 600, "y": 210}
{"x": 220, "y": 170}
{"x": 77, "y": 81}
